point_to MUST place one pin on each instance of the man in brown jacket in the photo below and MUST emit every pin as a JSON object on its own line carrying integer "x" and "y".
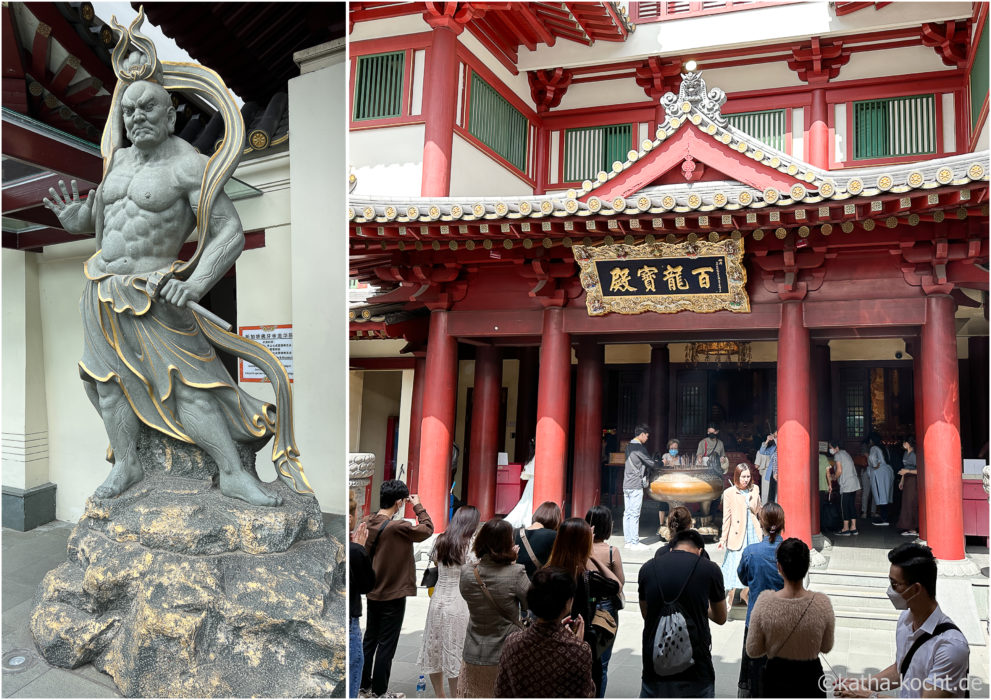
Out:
{"x": 390, "y": 546}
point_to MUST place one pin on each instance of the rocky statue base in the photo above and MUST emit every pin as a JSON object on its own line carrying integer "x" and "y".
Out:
{"x": 176, "y": 590}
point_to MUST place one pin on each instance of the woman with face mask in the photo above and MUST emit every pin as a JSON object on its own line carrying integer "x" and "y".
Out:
{"x": 741, "y": 504}
{"x": 669, "y": 460}
{"x": 882, "y": 478}
{"x": 849, "y": 482}
{"x": 791, "y": 627}
{"x": 908, "y": 518}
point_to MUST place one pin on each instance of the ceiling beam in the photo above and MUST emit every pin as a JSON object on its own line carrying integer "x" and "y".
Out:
{"x": 48, "y": 154}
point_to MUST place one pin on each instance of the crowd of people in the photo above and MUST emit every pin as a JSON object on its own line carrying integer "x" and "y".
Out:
{"x": 533, "y": 611}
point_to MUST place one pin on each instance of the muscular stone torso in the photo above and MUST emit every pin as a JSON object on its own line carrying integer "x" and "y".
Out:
{"x": 146, "y": 213}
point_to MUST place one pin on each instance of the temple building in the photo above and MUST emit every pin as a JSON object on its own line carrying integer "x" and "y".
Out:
{"x": 287, "y": 67}
{"x": 570, "y": 218}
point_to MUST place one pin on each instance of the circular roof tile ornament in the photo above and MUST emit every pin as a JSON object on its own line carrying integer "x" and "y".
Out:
{"x": 501, "y": 208}
{"x": 693, "y": 237}
{"x": 757, "y": 155}
{"x": 719, "y": 199}
{"x": 567, "y": 242}
{"x": 741, "y": 146}
{"x": 775, "y": 162}
{"x": 670, "y": 239}
{"x": 846, "y": 227}
{"x": 674, "y": 122}
{"x": 736, "y": 235}
{"x": 758, "y": 235}
{"x": 686, "y": 107}
{"x": 435, "y": 245}
{"x": 643, "y": 202}
{"x": 694, "y": 201}
{"x": 913, "y": 219}
{"x": 780, "y": 232}
{"x": 617, "y": 166}
{"x": 628, "y": 240}
{"x": 527, "y": 243}
{"x": 961, "y": 213}
{"x": 771, "y": 195}
{"x": 726, "y": 137}
{"x": 745, "y": 198}
{"x": 368, "y": 213}
{"x": 792, "y": 169}
{"x": 711, "y": 129}
{"x": 351, "y": 213}
{"x": 975, "y": 171}
{"x": 798, "y": 192}
{"x": 571, "y": 194}
{"x": 525, "y": 208}
{"x": 884, "y": 183}
{"x": 594, "y": 204}
{"x": 944, "y": 176}
{"x": 547, "y": 243}
{"x": 418, "y": 245}
{"x": 869, "y": 224}
{"x": 713, "y": 236}
{"x": 507, "y": 244}
{"x": 826, "y": 229}
{"x": 891, "y": 221}
{"x": 915, "y": 179}
{"x": 809, "y": 176}
{"x": 571, "y": 206}
{"x": 602, "y": 177}
{"x": 478, "y": 209}
{"x": 587, "y": 185}
{"x": 390, "y": 212}
{"x": 803, "y": 231}
{"x": 646, "y": 145}
{"x": 827, "y": 189}
{"x": 487, "y": 244}
{"x": 587, "y": 241}
{"x": 649, "y": 239}
{"x": 619, "y": 204}
{"x": 402, "y": 246}
{"x": 661, "y": 134}
{"x": 546, "y": 207}
{"x": 457, "y": 211}
{"x": 696, "y": 119}
{"x": 668, "y": 201}
{"x": 413, "y": 212}
{"x": 434, "y": 211}
{"x": 608, "y": 240}
{"x": 855, "y": 186}
{"x": 939, "y": 216}
{"x": 632, "y": 156}
{"x": 470, "y": 245}
{"x": 453, "y": 245}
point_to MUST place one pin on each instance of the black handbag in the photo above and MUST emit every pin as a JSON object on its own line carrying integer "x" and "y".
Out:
{"x": 429, "y": 579}
{"x": 602, "y": 624}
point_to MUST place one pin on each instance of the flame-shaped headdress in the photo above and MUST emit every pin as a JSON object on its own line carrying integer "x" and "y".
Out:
{"x": 135, "y": 59}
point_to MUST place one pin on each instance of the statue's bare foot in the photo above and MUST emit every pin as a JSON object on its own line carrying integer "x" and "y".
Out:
{"x": 123, "y": 476}
{"x": 242, "y": 485}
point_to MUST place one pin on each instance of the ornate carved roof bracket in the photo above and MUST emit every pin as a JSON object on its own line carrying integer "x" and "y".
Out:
{"x": 950, "y": 39}
{"x": 938, "y": 267}
{"x": 792, "y": 273}
{"x": 659, "y": 75}
{"x": 818, "y": 62}
{"x": 551, "y": 288}
{"x": 452, "y": 15}
{"x": 547, "y": 87}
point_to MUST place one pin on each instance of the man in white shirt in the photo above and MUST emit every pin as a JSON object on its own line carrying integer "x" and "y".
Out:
{"x": 932, "y": 658}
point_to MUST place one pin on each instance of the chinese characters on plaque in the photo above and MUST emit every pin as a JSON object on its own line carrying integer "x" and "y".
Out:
{"x": 664, "y": 278}
{"x": 278, "y": 341}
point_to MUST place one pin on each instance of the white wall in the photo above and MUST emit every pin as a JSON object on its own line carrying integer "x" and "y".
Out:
{"x": 387, "y": 161}
{"x": 474, "y": 173}
{"x": 318, "y": 148}
{"x": 396, "y": 26}
{"x": 380, "y": 398}
{"x": 600, "y": 93}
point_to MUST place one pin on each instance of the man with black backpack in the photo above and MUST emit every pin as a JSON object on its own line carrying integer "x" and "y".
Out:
{"x": 390, "y": 547}
{"x": 932, "y": 658}
{"x": 680, "y": 592}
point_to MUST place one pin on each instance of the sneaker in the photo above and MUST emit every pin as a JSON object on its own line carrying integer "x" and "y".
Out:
{"x": 362, "y": 693}
{"x": 639, "y": 547}
{"x": 854, "y": 532}
{"x": 881, "y": 523}
{"x": 909, "y": 533}
{"x": 843, "y": 533}
{"x": 392, "y": 694}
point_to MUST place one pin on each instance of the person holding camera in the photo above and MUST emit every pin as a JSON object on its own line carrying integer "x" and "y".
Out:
{"x": 390, "y": 547}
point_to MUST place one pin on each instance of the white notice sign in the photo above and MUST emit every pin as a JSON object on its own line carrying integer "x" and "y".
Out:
{"x": 278, "y": 339}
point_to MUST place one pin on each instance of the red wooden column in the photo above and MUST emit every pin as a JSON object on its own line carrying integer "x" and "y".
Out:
{"x": 437, "y": 424}
{"x": 820, "y": 407}
{"x": 660, "y": 368}
{"x": 794, "y": 421}
{"x": 587, "y": 480}
{"x": 415, "y": 418}
{"x": 526, "y": 402}
{"x": 941, "y": 430}
{"x": 440, "y": 95}
{"x": 485, "y": 430}
{"x": 553, "y": 392}
{"x": 543, "y": 156}
{"x": 915, "y": 349}
{"x": 819, "y": 130}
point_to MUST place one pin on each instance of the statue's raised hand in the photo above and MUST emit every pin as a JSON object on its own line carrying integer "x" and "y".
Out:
{"x": 74, "y": 213}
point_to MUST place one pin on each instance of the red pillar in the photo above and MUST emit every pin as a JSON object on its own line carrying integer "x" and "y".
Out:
{"x": 941, "y": 421}
{"x": 543, "y": 157}
{"x": 415, "y": 417}
{"x": 919, "y": 395}
{"x": 437, "y": 424}
{"x": 440, "y": 94}
{"x": 794, "y": 420}
{"x": 585, "y": 486}
{"x": 552, "y": 410}
{"x": 819, "y": 422}
{"x": 660, "y": 367}
{"x": 485, "y": 430}
{"x": 819, "y": 130}
{"x": 526, "y": 402}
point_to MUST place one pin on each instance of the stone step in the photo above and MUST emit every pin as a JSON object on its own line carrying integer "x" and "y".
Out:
{"x": 821, "y": 578}
{"x": 863, "y": 618}
{"x": 856, "y": 598}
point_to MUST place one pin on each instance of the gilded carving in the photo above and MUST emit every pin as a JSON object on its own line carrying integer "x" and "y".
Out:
{"x": 640, "y": 280}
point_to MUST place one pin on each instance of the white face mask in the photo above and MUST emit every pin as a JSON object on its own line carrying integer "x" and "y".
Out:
{"x": 896, "y": 599}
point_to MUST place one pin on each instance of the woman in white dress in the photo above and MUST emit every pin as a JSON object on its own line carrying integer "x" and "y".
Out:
{"x": 522, "y": 513}
{"x": 882, "y": 478}
{"x": 447, "y": 617}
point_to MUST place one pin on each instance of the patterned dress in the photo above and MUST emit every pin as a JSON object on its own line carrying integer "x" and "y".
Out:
{"x": 731, "y": 562}
{"x": 545, "y": 661}
{"x": 446, "y": 626}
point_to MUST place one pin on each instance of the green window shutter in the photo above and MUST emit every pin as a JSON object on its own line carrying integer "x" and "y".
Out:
{"x": 979, "y": 78}
{"x": 768, "y": 127}
{"x": 378, "y": 86}
{"x": 590, "y": 150}
{"x": 497, "y": 124}
{"x": 893, "y": 127}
